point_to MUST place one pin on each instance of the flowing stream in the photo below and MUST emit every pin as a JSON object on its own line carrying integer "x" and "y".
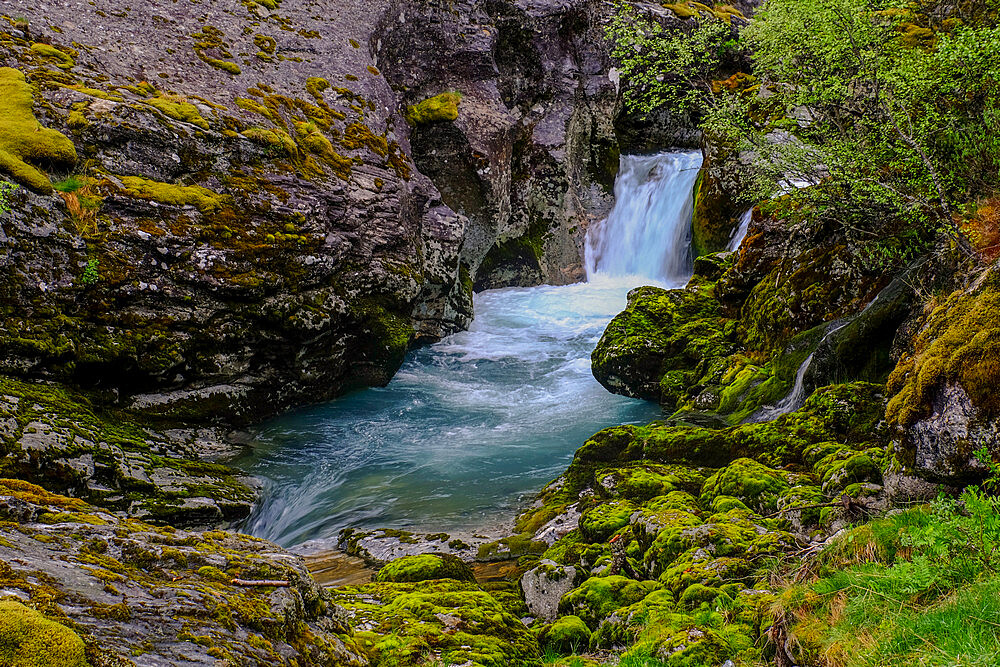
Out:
{"x": 474, "y": 425}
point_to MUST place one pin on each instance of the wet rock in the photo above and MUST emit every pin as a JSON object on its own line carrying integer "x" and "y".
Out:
{"x": 55, "y": 437}
{"x": 143, "y": 595}
{"x": 544, "y": 586}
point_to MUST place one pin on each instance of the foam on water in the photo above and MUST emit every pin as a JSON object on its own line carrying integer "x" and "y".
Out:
{"x": 472, "y": 426}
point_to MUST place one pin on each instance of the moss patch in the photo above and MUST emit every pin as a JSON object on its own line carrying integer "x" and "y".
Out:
{"x": 201, "y": 198}
{"x": 28, "y": 639}
{"x": 25, "y": 146}
{"x": 437, "y": 109}
{"x": 423, "y": 567}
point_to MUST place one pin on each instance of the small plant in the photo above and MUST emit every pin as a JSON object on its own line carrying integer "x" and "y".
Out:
{"x": 81, "y": 202}
{"x": 69, "y": 184}
{"x": 992, "y": 483}
{"x": 90, "y": 274}
{"x": 5, "y": 191}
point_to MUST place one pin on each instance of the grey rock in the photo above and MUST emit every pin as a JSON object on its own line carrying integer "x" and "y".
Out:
{"x": 544, "y": 586}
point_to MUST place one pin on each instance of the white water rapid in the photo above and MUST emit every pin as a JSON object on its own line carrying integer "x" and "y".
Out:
{"x": 474, "y": 425}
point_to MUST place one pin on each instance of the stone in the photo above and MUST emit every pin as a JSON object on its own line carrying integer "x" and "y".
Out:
{"x": 543, "y": 586}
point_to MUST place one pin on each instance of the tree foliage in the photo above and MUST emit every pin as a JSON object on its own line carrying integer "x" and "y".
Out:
{"x": 889, "y": 109}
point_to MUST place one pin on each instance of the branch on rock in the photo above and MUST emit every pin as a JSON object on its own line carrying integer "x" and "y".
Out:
{"x": 259, "y": 582}
{"x": 848, "y": 503}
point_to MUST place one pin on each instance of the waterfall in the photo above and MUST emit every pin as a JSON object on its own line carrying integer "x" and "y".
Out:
{"x": 796, "y": 398}
{"x": 740, "y": 232}
{"x": 648, "y": 232}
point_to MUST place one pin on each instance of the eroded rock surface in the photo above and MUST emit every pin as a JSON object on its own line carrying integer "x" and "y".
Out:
{"x": 143, "y": 595}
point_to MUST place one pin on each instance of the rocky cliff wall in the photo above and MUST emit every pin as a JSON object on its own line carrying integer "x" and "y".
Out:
{"x": 245, "y": 221}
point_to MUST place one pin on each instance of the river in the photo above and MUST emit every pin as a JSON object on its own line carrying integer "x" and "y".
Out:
{"x": 471, "y": 427}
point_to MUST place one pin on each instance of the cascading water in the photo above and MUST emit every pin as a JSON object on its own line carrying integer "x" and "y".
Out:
{"x": 740, "y": 232}
{"x": 796, "y": 398}
{"x": 471, "y": 426}
{"x": 648, "y": 232}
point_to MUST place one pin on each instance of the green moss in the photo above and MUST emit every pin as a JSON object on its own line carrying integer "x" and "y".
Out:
{"x": 211, "y": 38}
{"x": 178, "y": 108}
{"x": 25, "y": 145}
{"x": 437, "y": 109}
{"x": 77, "y": 121}
{"x": 201, "y": 198}
{"x": 456, "y": 622}
{"x": 315, "y": 85}
{"x": 654, "y": 348}
{"x": 266, "y": 44}
{"x": 568, "y": 634}
{"x": 28, "y": 639}
{"x": 959, "y": 344}
{"x": 599, "y": 597}
{"x": 648, "y": 480}
{"x": 754, "y": 484}
{"x": 602, "y": 521}
{"x": 848, "y": 412}
{"x": 62, "y": 59}
{"x": 425, "y": 566}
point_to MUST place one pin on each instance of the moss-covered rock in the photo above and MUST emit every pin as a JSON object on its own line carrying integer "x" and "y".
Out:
{"x": 568, "y": 634}
{"x": 440, "y": 108}
{"x": 28, "y": 639}
{"x": 423, "y": 567}
{"x": 112, "y": 579}
{"x": 651, "y": 349}
{"x": 754, "y": 484}
{"x": 599, "y": 597}
{"x": 58, "y": 439}
{"x": 943, "y": 399}
{"x": 25, "y": 146}
{"x": 454, "y": 622}
{"x": 601, "y": 521}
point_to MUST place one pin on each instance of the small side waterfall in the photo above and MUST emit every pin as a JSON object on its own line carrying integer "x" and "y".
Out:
{"x": 740, "y": 232}
{"x": 796, "y": 398}
{"x": 648, "y": 232}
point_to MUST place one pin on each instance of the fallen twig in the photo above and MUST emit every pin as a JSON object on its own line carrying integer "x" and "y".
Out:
{"x": 259, "y": 582}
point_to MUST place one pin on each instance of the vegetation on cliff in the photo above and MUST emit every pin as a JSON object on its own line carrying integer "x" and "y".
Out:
{"x": 730, "y": 532}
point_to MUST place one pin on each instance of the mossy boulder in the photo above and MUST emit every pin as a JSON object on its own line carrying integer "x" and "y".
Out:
{"x": 599, "y": 597}
{"x": 849, "y": 413}
{"x": 400, "y": 623}
{"x": 653, "y": 348}
{"x": 754, "y": 484}
{"x": 568, "y": 634}
{"x": 437, "y": 109}
{"x": 423, "y": 567}
{"x": 28, "y": 639}
{"x": 648, "y": 480}
{"x": 602, "y": 521}
{"x": 943, "y": 400}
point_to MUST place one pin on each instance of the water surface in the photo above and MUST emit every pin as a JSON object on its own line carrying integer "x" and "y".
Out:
{"x": 473, "y": 426}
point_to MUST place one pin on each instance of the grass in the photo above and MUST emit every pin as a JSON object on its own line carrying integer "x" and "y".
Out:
{"x": 921, "y": 587}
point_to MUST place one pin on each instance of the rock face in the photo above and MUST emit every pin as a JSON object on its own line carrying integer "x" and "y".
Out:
{"x": 251, "y": 223}
{"x": 142, "y": 595}
{"x": 54, "y": 437}
{"x": 943, "y": 390}
{"x": 531, "y": 157}
{"x": 247, "y": 231}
